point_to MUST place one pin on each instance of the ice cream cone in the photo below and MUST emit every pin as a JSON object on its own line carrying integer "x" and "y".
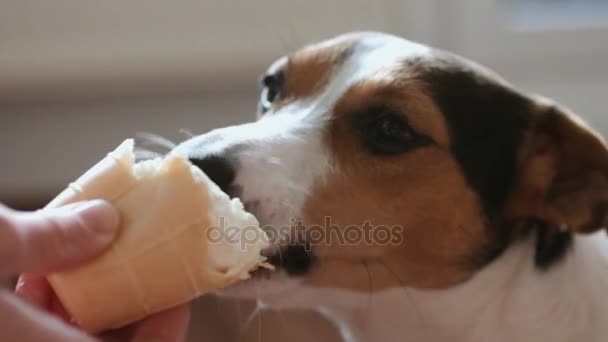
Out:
{"x": 170, "y": 247}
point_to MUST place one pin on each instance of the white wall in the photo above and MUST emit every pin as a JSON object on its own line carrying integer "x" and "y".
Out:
{"x": 78, "y": 76}
{"x": 44, "y": 145}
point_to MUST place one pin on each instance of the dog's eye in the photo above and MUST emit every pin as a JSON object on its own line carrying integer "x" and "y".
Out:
{"x": 272, "y": 83}
{"x": 272, "y": 90}
{"x": 386, "y": 132}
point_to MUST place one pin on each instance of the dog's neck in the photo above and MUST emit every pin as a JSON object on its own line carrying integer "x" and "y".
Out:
{"x": 509, "y": 300}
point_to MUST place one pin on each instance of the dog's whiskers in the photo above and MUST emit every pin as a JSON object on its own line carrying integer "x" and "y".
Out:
{"x": 405, "y": 288}
{"x": 154, "y": 140}
{"x": 280, "y": 256}
{"x": 150, "y": 146}
{"x": 259, "y": 324}
{"x": 143, "y": 154}
{"x": 284, "y": 42}
{"x": 259, "y": 307}
{"x": 370, "y": 288}
{"x": 239, "y": 314}
{"x": 187, "y": 133}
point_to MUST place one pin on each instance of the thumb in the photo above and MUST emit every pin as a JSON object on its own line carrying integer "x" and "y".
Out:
{"x": 46, "y": 240}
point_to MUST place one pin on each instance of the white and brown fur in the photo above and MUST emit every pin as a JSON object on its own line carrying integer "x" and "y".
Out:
{"x": 503, "y": 196}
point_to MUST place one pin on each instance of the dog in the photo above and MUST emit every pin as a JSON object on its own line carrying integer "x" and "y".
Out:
{"x": 495, "y": 200}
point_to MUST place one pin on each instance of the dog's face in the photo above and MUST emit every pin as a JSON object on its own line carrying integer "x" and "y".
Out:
{"x": 394, "y": 159}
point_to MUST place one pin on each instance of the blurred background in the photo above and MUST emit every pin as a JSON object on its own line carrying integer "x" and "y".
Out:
{"x": 79, "y": 76}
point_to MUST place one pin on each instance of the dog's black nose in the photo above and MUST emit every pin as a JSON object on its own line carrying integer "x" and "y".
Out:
{"x": 219, "y": 169}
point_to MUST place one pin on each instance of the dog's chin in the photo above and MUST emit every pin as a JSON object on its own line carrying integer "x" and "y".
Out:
{"x": 273, "y": 288}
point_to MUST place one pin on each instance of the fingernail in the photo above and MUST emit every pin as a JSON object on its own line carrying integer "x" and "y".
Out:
{"x": 99, "y": 216}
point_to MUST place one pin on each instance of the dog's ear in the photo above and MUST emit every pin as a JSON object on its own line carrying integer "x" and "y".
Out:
{"x": 563, "y": 173}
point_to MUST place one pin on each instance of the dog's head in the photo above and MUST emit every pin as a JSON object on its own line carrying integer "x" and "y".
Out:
{"x": 392, "y": 157}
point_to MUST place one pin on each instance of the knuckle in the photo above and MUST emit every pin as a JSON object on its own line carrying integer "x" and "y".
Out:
{"x": 60, "y": 242}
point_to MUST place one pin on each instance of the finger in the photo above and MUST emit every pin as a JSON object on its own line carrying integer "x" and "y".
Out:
{"x": 22, "y": 322}
{"x": 55, "y": 238}
{"x": 35, "y": 289}
{"x": 169, "y": 326}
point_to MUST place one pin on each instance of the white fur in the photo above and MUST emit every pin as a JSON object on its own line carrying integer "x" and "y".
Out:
{"x": 279, "y": 158}
{"x": 509, "y": 300}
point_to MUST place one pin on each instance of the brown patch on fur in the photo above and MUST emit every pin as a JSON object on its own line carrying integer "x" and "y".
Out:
{"x": 310, "y": 68}
{"x": 423, "y": 191}
{"x": 563, "y": 177}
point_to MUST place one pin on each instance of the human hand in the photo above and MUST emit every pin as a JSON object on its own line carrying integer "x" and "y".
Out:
{"x": 44, "y": 241}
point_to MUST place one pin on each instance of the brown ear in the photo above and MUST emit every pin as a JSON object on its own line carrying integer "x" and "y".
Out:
{"x": 563, "y": 179}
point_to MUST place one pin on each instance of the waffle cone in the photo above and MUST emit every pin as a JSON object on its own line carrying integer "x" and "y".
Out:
{"x": 162, "y": 256}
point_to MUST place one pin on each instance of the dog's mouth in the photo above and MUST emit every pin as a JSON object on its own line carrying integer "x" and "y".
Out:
{"x": 291, "y": 262}
{"x": 294, "y": 259}
{"x": 261, "y": 273}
